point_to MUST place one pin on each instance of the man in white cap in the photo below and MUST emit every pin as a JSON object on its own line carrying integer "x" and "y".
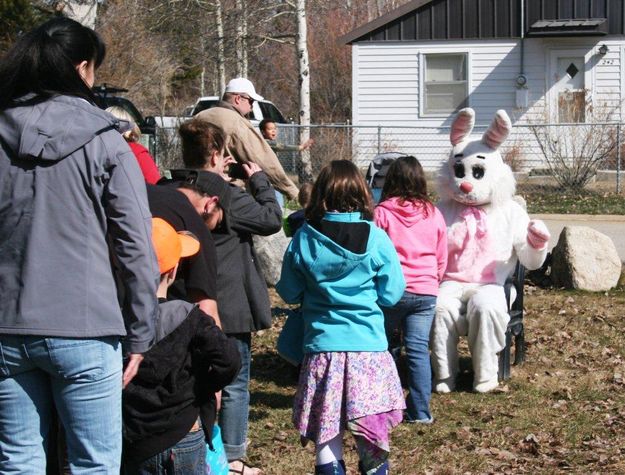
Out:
{"x": 243, "y": 141}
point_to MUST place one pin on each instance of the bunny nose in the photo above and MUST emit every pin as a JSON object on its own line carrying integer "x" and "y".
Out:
{"x": 466, "y": 187}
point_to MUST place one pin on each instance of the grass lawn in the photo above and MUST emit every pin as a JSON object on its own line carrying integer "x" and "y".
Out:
{"x": 547, "y": 200}
{"x": 563, "y": 411}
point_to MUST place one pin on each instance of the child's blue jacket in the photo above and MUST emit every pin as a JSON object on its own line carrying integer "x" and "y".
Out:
{"x": 340, "y": 291}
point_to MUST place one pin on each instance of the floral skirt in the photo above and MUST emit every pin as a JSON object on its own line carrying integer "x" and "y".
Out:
{"x": 359, "y": 391}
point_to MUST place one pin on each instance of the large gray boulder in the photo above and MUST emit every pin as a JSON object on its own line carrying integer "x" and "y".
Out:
{"x": 585, "y": 259}
{"x": 270, "y": 251}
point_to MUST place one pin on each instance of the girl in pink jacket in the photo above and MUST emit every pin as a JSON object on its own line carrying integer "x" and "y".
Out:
{"x": 418, "y": 231}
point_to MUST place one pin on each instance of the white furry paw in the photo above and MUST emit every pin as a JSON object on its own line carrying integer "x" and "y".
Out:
{"x": 537, "y": 234}
{"x": 445, "y": 386}
{"x": 486, "y": 386}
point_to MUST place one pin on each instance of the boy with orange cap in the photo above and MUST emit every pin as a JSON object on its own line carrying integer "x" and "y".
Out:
{"x": 169, "y": 408}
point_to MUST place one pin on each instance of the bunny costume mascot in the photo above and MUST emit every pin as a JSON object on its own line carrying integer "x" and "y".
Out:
{"x": 487, "y": 232}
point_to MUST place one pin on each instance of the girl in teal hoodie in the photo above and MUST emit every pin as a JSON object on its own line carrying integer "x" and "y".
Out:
{"x": 340, "y": 267}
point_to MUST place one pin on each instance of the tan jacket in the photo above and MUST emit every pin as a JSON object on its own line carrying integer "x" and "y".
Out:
{"x": 246, "y": 144}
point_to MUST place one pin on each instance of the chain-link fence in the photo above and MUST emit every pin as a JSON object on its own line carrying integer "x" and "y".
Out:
{"x": 546, "y": 158}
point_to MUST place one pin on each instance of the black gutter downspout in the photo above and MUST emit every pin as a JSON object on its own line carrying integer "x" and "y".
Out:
{"x": 522, "y": 71}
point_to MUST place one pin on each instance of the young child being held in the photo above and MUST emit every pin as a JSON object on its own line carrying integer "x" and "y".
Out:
{"x": 340, "y": 267}
{"x": 269, "y": 130}
{"x": 419, "y": 234}
{"x": 169, "y": 408}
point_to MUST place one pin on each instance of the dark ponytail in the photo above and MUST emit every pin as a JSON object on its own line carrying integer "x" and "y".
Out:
{"x": 44, "y": 62}
{"x": 405, "y": 179}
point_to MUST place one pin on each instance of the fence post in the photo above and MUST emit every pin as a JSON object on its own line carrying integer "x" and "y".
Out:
{"x": 379, "y": 139}
{"x": 618, "y": 157}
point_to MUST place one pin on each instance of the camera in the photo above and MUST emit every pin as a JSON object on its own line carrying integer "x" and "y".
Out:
{"x": 237, "y": 172}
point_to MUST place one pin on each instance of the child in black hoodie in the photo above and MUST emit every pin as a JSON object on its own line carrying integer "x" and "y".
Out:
{"x": 169, "y": 408}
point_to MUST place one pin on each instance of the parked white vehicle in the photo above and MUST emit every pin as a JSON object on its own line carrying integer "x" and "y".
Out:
{"x": 169, "y": 121}
{"x": 260, "y": 110}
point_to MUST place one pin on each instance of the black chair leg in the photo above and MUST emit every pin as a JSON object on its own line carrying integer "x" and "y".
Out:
{"x": 504, "y": 359}
{"x": 519, "y": 347}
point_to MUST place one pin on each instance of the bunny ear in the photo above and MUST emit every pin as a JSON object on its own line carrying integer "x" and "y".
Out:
{"x": 498, "y": 130}
{"x": 462, "y": 125}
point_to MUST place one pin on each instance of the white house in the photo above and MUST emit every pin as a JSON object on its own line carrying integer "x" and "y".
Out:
{"x": 537, "y": 59}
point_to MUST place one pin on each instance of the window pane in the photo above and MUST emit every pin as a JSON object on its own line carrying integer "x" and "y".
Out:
{"x": 203, "y": 105}
{"x": 271, "y": 112}
{"x": 442, "y": 98}
{"x": 445, "y": 67}
{"x": 445, "y": 88}
{"x": 571, "y": 106}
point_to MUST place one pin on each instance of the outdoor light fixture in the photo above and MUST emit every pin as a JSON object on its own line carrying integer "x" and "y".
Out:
{"x": 603, "y": 49}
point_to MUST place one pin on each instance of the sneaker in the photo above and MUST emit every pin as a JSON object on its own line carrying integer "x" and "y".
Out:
{"x": 428, "y": 421}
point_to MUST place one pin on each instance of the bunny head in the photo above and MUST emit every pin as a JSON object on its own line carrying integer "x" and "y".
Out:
{"x": 475, "y": 173}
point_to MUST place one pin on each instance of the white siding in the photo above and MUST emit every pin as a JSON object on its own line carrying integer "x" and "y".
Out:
{"x": 386, "y": 91}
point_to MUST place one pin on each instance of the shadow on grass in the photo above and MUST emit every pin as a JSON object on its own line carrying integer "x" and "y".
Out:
{"x": 464, "y": 383}
{"x": 269, "y": 367}
{"x": 268, "y": 400}
{"x": 281, "y": 311}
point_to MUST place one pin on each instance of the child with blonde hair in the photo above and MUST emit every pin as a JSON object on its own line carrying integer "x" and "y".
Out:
{"x": 131, "y": 135}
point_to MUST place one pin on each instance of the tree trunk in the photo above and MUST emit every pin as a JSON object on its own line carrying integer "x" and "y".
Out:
{"x": 202, "y": 79}
{"x": 244, "y": 71}
{"x": 305, "y": 170}
{"x": 238, "y": 40}
{"x": 221, "y": 55}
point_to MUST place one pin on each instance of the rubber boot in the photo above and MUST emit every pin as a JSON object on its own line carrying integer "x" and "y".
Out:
{"x": 333, "y": 468}
{"x": 379, "y": 470}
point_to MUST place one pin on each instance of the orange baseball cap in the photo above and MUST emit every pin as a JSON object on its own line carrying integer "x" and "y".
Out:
{"x": 170, "y": 246}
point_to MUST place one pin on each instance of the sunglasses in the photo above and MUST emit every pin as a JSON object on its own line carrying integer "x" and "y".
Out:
{"x": 249, "y": 99}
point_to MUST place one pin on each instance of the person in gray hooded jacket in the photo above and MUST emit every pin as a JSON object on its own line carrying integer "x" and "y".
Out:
{"x": 73, "y": 206}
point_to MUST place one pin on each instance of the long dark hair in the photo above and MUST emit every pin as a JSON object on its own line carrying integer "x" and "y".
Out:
{"x": 405, "y": 180}
{"x": 340, "y": 187}
{"x": 44, "y": 61}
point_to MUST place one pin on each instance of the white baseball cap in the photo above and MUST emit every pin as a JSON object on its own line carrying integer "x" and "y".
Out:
{"x": 243, "y": 86}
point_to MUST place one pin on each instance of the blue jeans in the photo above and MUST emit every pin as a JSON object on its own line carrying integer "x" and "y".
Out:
{"x": 413, "y": 314}
{"x": 187, "y": 457}
{"x": 83, "y": 379}
{"x": 235, "y": 403}
{"x": 280, "y": 199}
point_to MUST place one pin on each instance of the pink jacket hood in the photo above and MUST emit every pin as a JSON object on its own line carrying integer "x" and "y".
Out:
{"x": 408, "y": 213}
{"x": 419, "y": 235}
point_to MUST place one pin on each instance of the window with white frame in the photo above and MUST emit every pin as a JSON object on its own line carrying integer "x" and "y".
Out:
{"x": 445, "y": 84}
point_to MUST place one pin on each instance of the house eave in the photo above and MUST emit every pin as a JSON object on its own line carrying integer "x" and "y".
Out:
{"x": 367, "y": 28}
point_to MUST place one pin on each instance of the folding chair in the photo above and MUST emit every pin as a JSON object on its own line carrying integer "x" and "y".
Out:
{"x": 515, "y": 332}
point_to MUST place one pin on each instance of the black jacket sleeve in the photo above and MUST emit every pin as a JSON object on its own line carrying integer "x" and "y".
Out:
{"x": 216, "y": 359}
{"x": 258, "y": 211}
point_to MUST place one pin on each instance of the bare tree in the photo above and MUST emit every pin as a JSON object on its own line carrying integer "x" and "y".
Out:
{"x": 576, "y": 149}
{"x": 305, "y": 170}
{"x": 221, "y": 54}
{"x": 241, "y": 38}
{"x": 137, "y": 59}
